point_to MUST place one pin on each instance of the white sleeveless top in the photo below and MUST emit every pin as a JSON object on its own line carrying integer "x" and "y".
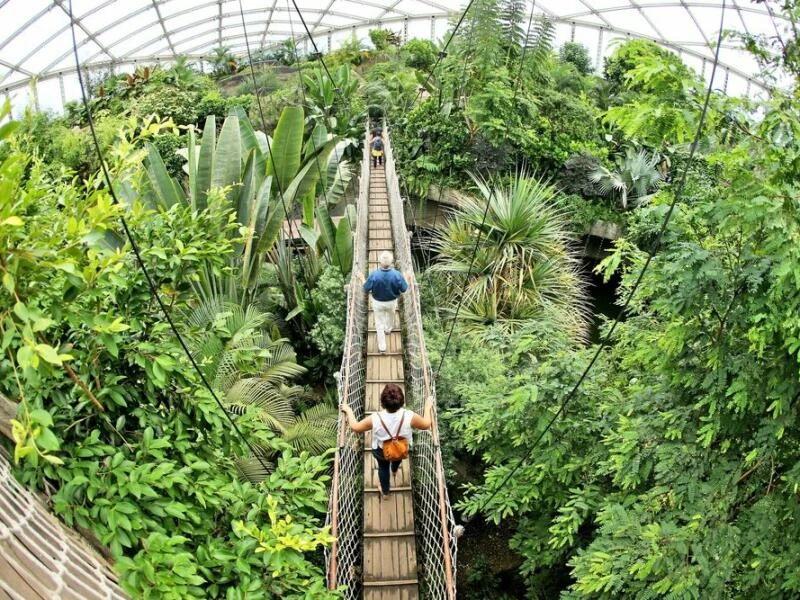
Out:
{"x": 392, "y": 420}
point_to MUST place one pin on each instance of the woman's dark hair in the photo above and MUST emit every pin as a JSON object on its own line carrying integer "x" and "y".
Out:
{"x": 392, "y": 398}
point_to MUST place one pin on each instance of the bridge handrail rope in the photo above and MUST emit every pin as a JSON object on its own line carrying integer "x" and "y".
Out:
{"x": 436, "y": 537}
{"x": 344, "y": 511}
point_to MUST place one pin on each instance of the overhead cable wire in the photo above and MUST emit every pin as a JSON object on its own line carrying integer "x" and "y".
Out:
{"x": 138, "y": 255}
{"x": 410, "y": 106}
{"x": 651, "y": 253}
{"x": 278, "y": 183}
{"x": 312, "y": 139}
{"x": 524, "y": 50}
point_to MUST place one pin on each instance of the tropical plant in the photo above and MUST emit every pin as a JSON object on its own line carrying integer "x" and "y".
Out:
{"x": 261, "y": 189}
{"x": 114, "y": 425}
{"x": 635, "y": 176}
{"x": 383, "y": 39}
{"x": 419, "y": 54}
{"x": 576, "y": 55}
{"x": 523, "y": 267}
{"x": 334, "y": 103}
{"x": 250, "y": 367}
{"x": 224, "y": 62}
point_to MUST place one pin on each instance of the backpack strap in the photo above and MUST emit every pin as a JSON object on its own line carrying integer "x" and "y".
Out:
{"x": 400, "y": 427}
{"x": 386, "y": 429}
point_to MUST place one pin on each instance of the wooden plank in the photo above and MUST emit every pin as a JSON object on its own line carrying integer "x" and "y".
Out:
{"x": 371, "y": 481}
{"x": 394, "y": 514}
{"x": 371, "y": 322}
{"x": 393, "y": 342}
{"x": 391, "y": 559}
{"x": 393, "y": 592}
{"x": 385, "y": 368}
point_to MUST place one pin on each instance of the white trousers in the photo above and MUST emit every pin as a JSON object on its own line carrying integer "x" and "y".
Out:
{"x": 384, "y": 320}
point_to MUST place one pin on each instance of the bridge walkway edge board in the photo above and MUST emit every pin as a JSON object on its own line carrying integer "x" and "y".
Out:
{"x": 390, "y": 554}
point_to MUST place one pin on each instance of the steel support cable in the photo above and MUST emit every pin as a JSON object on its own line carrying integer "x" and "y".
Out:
{"x": 441, "y": 179}
{"x": 135, "y": 247}
{"x": 466, "y": 281}
{"x": 524, "y": 51}
{"x": 651, "y": 253}
{"x": 278, "y": 183}
{"x": 410, "y": 106}
{"x": 313, "y": 141}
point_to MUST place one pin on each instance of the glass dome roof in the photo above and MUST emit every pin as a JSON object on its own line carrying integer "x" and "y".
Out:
{"x": 37, "y": 65}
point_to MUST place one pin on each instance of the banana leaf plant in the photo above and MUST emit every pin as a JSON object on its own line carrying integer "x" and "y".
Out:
{"x": 335, "y": 241}
{"x": 264, "y": 190}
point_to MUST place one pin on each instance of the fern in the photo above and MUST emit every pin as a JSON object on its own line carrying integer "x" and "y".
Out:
{"x": 539, "y": 49}
{"x": 512, "y": 16}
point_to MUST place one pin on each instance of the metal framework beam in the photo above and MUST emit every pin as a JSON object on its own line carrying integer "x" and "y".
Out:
{"x": 275, "y": 22}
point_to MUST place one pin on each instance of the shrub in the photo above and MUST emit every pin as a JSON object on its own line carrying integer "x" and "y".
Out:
{"x": 419, "y": 54}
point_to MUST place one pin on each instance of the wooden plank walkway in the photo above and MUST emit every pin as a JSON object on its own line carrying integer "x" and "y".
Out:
{"x": 390, "y": 553}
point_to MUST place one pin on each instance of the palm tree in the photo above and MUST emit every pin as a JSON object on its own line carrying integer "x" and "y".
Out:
{"x": 635, "y": 176}
{"x": 251, "y": 369}
{"x": 224, "y": 62}
{"x": 524, "y": 267}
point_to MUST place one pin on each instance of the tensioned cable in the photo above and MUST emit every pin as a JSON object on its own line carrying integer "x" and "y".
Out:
{"x": 624, "y": 308}
{"x": 137, "y": 253}
{"x": 524, "y": 50}
{"x": 442, "y": 54}
{"x": 466, "y": 280}
{"x": 305, "y": 102}
{"x": 278, "y": 183}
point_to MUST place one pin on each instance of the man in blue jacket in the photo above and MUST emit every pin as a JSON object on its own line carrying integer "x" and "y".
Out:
{"x": 386, "y": 284}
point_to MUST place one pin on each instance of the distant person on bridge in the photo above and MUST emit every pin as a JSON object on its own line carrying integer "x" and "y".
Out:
{"x": 376, "y": 147}
{"x": 386, "y": 285}
{"x": 388, "y": 425}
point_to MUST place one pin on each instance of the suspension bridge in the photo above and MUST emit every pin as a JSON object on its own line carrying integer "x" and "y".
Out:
{"x": 404, "y": 548}
{"x": 401, "y": 549}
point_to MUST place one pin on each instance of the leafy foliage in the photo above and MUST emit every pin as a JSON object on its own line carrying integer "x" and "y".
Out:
{"x": 635, "y": 176}
{"x": 576, "y": 55}
{"x": 523, "y": 268}
{"x": 419, "y": 54}
{"x": 115, "y": 426}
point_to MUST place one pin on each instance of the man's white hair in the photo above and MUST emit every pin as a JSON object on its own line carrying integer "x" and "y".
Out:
{"x": 386, "y": 259}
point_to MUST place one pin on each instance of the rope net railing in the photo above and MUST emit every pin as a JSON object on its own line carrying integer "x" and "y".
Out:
{"x": 345, "y": 508}
{"x": 434, "y": 521}
{"x": 40, "y": 557}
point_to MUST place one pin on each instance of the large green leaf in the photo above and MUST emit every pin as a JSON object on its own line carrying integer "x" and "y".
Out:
{"x": 274, "y": 217}
{"x": 245, "y": 198}
{"x": 343, "y": 254}
{"x": 287, "y": 146}
{"x": 205, "y": 165}
{"x": 310, "y": 237}
{"x": 227, "y": 169}
{"x": 252, "y": 140}
{"x": 165, "y": 188}
{"x": 327, "y": 231}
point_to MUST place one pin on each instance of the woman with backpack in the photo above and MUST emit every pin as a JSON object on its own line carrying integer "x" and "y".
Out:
{"x": 391, "y": 431}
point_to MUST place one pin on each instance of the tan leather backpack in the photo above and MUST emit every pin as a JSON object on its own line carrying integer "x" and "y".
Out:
{"x": 395, "y": 448}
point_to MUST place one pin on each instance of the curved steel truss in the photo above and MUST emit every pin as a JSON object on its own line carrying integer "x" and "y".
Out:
{"x": 36, "y": 45}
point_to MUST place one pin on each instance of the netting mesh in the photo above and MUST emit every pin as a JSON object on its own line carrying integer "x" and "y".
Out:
{"x": 39, "y": 558}
{"x": 434, "y": 522}
{"x": 345, "y": 510}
